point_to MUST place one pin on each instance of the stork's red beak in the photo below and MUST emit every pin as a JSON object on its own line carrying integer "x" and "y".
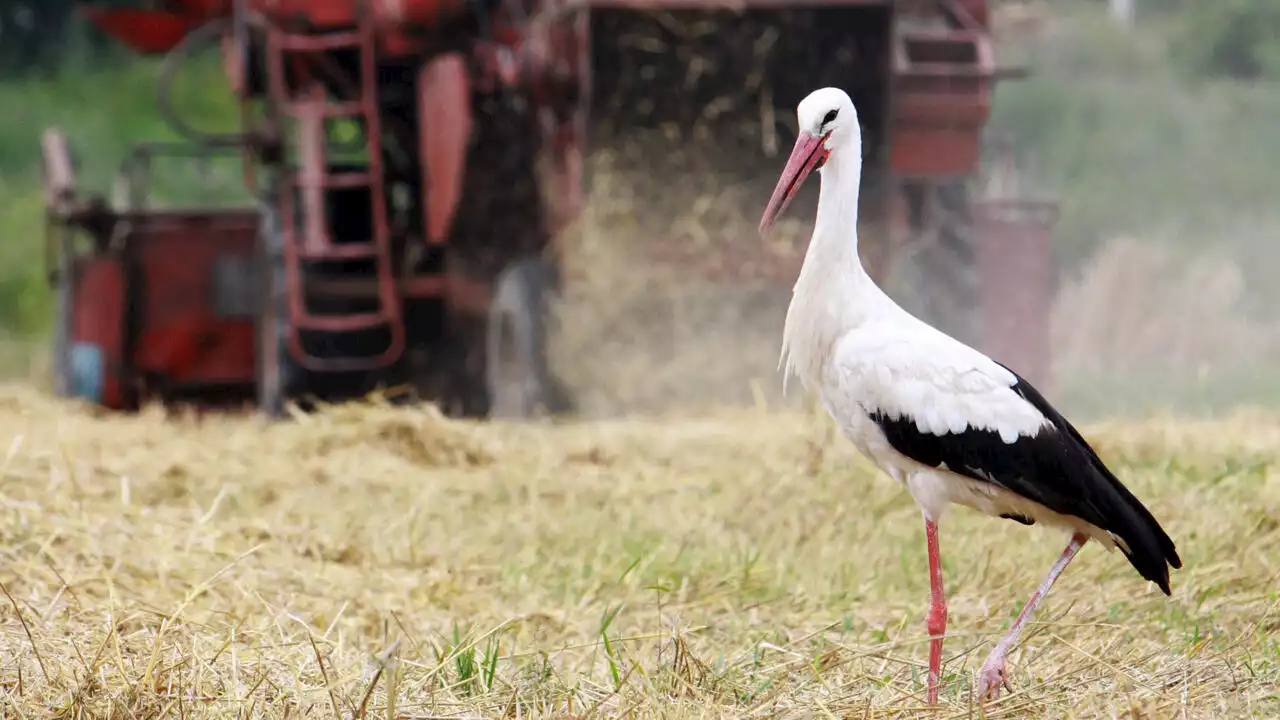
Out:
{"x": 808, "y": 154}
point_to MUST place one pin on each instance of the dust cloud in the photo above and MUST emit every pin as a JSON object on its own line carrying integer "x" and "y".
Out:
{"x": 1164, "y": 253}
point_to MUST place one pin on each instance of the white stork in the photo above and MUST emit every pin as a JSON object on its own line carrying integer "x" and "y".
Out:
{"x": 946, "y": 421}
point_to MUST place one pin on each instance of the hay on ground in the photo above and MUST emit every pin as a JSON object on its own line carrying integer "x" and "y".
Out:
{"x": 372, "y": 561}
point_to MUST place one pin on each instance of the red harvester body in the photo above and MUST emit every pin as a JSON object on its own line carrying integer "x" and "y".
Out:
{"x": 429, "y": 252}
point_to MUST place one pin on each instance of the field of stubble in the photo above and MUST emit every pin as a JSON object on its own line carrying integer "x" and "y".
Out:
{"x": 384, "y": 562}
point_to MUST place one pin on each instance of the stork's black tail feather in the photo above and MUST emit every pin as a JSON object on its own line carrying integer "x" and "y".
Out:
{"x": 1150, "y": 549}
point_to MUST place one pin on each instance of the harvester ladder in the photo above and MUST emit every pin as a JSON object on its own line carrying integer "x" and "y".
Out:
{"x": 311, "y": 107}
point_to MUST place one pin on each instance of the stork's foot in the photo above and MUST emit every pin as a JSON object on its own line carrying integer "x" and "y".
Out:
{"x": 992, "y": 677}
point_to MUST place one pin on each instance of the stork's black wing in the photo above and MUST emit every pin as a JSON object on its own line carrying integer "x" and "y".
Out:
{"x": 1056, "y": 468}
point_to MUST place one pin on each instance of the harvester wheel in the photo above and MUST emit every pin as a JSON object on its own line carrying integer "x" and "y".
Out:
{"x": 277, "y": 373}
{"x": 517, "y": 371}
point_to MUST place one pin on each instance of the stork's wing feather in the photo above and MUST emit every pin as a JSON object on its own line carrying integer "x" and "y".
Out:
{"x": 940, "y": 402}
{"x": 940, "y": 384}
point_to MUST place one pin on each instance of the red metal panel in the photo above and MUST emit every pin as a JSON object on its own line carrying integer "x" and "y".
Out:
{"x": 148, "y": 32}
{"x": 158, "y": 31}
{"x": 942, "y": 97}
{"x": 1016, "y": 270}
{"x": 970, "y": 14}
{"x": 444, "y": 97}
{"x": 182, "y": 337}
{"x": 336, "y": 13}
{"x": 203, "y": 8}
{"x": 930, "y": 152}
{"x": 97, "y": 321}
{"x": 716, "y": 4}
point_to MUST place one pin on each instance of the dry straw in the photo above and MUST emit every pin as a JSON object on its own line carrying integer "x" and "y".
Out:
{"x": 382, "y": 562}
{"x": 374, "y": 561}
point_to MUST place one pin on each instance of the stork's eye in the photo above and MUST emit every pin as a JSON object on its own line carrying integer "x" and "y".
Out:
{"x": 830, "y": 118}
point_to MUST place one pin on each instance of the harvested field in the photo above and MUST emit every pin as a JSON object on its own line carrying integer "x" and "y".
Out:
{"x": 743, "y": 564}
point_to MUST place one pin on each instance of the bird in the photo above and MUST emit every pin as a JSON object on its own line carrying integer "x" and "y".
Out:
{"x": 950, "y": 424}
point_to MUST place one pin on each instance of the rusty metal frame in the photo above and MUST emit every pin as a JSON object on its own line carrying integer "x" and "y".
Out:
{"x": 65, "y": 211}
{"x": 311, "y": 112}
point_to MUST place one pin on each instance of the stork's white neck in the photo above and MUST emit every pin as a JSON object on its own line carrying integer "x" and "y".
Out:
{"x": 834, "y": 294}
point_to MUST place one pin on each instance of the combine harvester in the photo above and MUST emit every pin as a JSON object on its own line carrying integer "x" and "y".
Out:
{"x": 428, "y": 252}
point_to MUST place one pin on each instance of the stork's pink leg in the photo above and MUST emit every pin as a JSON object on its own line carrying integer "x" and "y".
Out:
{"x": 936, "y": 621}
{"x": 992, "y": 676}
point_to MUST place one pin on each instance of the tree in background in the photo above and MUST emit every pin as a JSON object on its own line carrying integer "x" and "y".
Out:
{"x": 1226, "y": 39}
{"x": 40, "y": 34}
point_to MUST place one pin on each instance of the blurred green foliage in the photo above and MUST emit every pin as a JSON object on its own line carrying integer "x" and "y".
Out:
{"x": 32, "y": 32}
{"x": 1208, "y": 39}
{"x": 1110, "y": 124}
{"x": 1237, "y": 39}
{"x": 103, "y": 111}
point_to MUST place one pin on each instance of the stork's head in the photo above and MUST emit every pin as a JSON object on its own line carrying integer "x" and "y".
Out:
{"x": 828, "y": 124}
